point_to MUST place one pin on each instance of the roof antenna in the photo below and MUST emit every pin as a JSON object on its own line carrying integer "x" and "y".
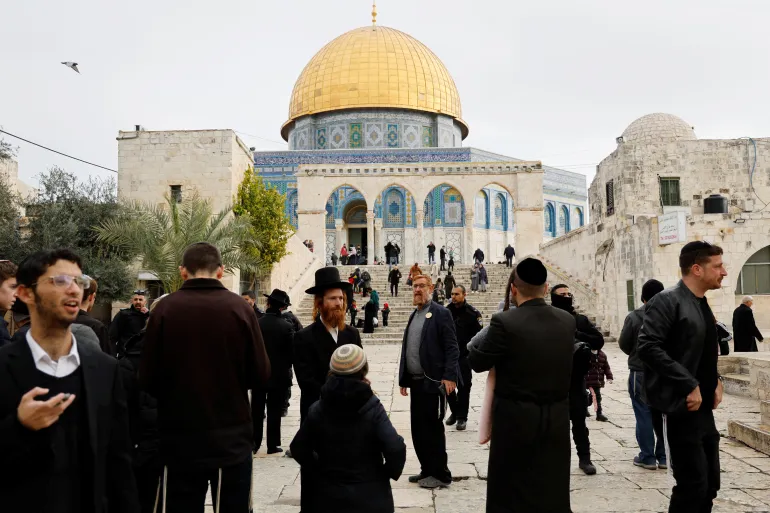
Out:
{"x": 374, "y": 14}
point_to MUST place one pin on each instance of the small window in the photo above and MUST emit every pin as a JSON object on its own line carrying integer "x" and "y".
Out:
{"x": 176, "y": 193}
{"x": 630, "y": 295}
{"x": 669, "y": 192}
{"x": 610, "y": 188}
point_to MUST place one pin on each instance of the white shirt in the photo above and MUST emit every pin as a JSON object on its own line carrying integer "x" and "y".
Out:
{"x": 66, "y": 365}
{"x": 333, "y": 331}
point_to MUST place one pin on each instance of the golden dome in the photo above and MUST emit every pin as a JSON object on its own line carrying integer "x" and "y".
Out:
{"x": 374, "y": 67}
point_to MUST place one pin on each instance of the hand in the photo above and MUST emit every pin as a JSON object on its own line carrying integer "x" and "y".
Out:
{"x": 36, "y": 415}
{"x": 404, "y": 392}
{"x": 144, "y": 310}
{"x": 449, "y": 385}
{"x": 718, "y": 394}
{"x": 694, "y": 399}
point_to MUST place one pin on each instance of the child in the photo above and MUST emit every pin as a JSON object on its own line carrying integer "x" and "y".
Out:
{"x": 353, "y": 313}
{"x": 451, "y": 262}
{"x": 600, "y": 368}
{"x": 347, "y": 447}
{"x": 385, "y": 313}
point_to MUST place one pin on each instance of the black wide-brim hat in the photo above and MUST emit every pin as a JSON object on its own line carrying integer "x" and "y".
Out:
{"x": 327, "y": 278}
{"x": 279, "y": 297}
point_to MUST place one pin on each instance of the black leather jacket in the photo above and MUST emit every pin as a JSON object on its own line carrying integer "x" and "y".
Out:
{"x": 670, "y": 347}
{"x": 629, "y": 336}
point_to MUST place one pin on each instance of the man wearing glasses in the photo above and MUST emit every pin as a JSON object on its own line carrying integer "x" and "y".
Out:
{"x": 129, "y": 321}
{"x": 64, "y": 443}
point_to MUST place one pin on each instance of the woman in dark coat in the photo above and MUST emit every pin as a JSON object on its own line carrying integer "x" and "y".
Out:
{"x": 347, "y": 446}
{"x": 745, "y": 331}
{"x": 449, "y": 284}
{"x": 370, "y": 312}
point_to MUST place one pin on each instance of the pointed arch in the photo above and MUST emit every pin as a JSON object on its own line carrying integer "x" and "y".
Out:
{"x": 549, "y": 220}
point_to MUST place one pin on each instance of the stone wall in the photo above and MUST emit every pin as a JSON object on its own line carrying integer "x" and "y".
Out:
{"x": 294, "y": 274}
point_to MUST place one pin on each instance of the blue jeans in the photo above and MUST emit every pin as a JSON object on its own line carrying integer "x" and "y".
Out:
{"x": 650, "y": 450}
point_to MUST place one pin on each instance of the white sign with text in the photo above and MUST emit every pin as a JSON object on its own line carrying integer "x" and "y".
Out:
{"x": 672, "y": 228}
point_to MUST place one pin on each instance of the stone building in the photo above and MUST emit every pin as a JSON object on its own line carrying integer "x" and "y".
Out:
{"x": 647, "y": 200}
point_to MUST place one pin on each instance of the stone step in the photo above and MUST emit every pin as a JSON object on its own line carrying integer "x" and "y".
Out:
{"x": 764, "y": 410}
{"x": 737, "y": 384}
{"x": 756, "y": 436}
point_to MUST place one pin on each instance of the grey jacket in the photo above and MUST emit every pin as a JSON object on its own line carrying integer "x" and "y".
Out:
{"x": 86, "y": 336}
{"x": 629, "y": 336}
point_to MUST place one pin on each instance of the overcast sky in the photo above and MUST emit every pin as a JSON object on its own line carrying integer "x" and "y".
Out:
{"x": 555, "y": 81}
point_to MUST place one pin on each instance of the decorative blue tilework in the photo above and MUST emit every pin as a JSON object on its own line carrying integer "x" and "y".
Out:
{"x": 356, "y": 136}
{"x": 427, "y": 136}
{"x": 320, "y": 139}
{"x": 392, "y": 136}
{"x": 427, "y": 208}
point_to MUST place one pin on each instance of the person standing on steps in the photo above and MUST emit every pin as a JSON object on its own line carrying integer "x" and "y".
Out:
{"x": 468, "y": 321}
{"x": 429, "y": 368}
{"x": 449, "y": 284}
{"x": 451, "y": 263}
{"x": 745, "y": 331}
{"x": 483, "y": 279}
{"x": 129, "y": 321}
{"x": 389, "y": 250}
{"x": 530, "y": 347}
{"x": 478, "y": 256}
{"x": 678, "y": 346}
{"x": 509, "y": 253}
{"x": 649, "y": 422}
{"x": 344, "y": 255}
{"x": 587, "y": 334}
{"x": 442, "y": 257}
{"x": 474, "y": 278}
{"x": 394, "y": 278}
{"x": 431, "y": 253}
{"x": 352, "y": 255}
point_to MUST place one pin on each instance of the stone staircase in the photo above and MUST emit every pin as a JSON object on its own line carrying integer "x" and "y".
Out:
{"x": 748, "y": 375}
{"x": 401, "y": 307}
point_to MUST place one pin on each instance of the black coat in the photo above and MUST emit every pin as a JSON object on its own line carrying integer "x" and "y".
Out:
{"x": 126, "y": 323}
{"x": 439, "y": 351}
{"x": 478, "y": 255}
{"x": 509, "y": 252}
{"x": 313, "y": 349}
{"x": 25, "y": 456}
{"x": 394, "y": 276}
{"x": 101, "y": 332}
{"x": 349, "y": 451}
{"x": 449, "y": 284}
{"x": 745, "y": 331}
{"x": 370, "y": 312}
{"x": 629, "y": 338}
{"x": 278, "y": 334}
{"x": 5, "y": 336}
{"x": 468, "y": 322}
{"x": 531, "y": 349}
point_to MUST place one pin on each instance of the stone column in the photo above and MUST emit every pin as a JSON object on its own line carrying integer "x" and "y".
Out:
{"x": 312, "y": 225}
{"x": 338, "y": 238}
{"x": 370, "y": 237}
{"x": 379, "y": 243}
{"x": 470, "y": 244}
{"x": 528, "y": 213}
{"x": 419, "y": 221}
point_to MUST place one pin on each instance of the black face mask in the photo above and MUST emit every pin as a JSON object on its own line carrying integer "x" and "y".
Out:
{"x": 562, "y": 302}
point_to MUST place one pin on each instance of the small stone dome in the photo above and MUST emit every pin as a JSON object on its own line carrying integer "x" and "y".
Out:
{"x": 658, "y": 127}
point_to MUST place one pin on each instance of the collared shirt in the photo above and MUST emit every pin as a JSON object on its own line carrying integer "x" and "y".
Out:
{"x": 66, "y": 365}
{"x": 333, "y": 331}
{"x": 414, "y": 340}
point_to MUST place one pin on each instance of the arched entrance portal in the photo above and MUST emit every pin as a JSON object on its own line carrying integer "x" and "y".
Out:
{"x": 354, "y": 216}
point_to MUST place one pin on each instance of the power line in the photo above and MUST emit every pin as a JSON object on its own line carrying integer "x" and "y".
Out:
{"x": 259, "y": 137}
{"x": 60, "y": 153}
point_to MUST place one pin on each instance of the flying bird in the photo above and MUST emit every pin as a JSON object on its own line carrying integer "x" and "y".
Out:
{"x": 73, "y": 65}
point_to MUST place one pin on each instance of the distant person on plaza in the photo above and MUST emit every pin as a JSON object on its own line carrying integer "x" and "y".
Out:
{"x": 678, "y": 347}
{"x": 389, "y": 250}
{"x": 474, "y": 278}
{"x": 483, "y": 278}
{"x": 385, "y": 314}
{"x": 394, "y": 278}
{"x": 439, "y": 295}
{"x": 429, "y": 367}
{"x": 600, "y": 369}
{"x": 442, "y": 257}
{"x": 344, "y": 255}
{"x": 129, "y": 321}
{"x": 352, "y": 255}
{"x": 649, "y": 422}
{"x": 451, "y": 263}
{"x": 509, "y": 253}
{"x": 353, "y": 312}
{"x": 530, "y": 349}
{"x": 397, "y": 253}
{"x": 478, "y": 256}
{"x": 334, "y": 259}
{"x": 203, "y": 352}
{"x": 314, "y": 345}
{"x": 431, "y": 253}
{"x": 89, "y": 298}
{"x": 745, "y": 331}
{"x": 468, "y": 321}
{"x": 591, "y": 340}
{"x": 414, "y": 271}
{"x": 366, "y": 282}
{"x": 449, "y": 284}
{"x": 347, "y": 446}
{"x": 7, "y": 297}
{"x": 278, "y": 334}
{"x": 64, "y": 439}
{"x": 370, "y": 312}
{"x": 251, "y": 298}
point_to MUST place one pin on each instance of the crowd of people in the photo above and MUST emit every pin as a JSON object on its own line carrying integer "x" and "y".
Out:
{"x": 152, "y": 415}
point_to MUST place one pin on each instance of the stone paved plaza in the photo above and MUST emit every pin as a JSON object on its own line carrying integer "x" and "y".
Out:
{"x": 618, "y": 486}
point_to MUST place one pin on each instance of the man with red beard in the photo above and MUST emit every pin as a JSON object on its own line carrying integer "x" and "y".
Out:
{"x": 314, "y": 345}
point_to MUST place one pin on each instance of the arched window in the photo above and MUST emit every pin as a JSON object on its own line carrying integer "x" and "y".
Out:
{"x": 563, "y": 219}
{"x": 453, "y": 207}
{"x": 293, "y": 204}
{"x": 549, "y": 224}
{"x": 755, "y": 275}
{"x": 500, "y": 212}
{"x": 329, "y": 215}
{"x": 427, "y": 209}
{"x": 579, "y": 217}
{"x": 393, "y": 209}
{"x": 481, "y": 219}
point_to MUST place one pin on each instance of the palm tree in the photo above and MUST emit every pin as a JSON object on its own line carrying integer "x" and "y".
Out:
{"x": 159, "y": 234}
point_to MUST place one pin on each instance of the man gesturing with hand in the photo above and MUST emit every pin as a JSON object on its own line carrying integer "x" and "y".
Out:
{"x": 678, "y": 346}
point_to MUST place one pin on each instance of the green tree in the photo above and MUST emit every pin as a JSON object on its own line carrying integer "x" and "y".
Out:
{"x": 270, "y": 226}
{"x": 158, "y": 236}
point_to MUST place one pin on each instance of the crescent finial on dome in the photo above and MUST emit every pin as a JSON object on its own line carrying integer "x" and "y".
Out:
{"x": 374, "y": 14}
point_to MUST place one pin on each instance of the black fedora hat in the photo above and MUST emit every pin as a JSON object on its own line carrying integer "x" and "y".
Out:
{"x": 327, "y": 278}
{"x": 279, "y": 297}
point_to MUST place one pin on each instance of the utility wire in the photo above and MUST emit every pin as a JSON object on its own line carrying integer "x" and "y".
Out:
{"x": 259, "y": 137}
{"x": 60, "y": 153}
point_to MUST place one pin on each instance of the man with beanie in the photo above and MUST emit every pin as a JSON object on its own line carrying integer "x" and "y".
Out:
{"x": 649, "y": 422}
{"x": 678, "y": 346}
{"x": 530, "y": 347}
{"x": 586, "y": 334}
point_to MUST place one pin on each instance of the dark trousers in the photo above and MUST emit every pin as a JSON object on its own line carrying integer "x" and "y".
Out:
{"x": 649, "y": 423}
{"x": 394, "y": 289}
{"x": 459, "y": 400}
{"x": 451, "y": 267}
{"x": 428, "y": 433}
{"x": 693, "y": 442}
{"x": 577, "y": 414}
{"x": 508, "y": 261}
{"x": 148, "y": 484}
{"x": 431, "y": 258}
{"x": 186, "y": 488}
{"x": 598, "y": 393}
{"x": 443, "y": 264}
{"x": 274, "y": 399}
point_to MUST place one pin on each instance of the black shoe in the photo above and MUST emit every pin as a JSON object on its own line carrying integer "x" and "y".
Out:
{"x": 414, "y": 479}
{"x": 274, "y": 450}
{"x": 451, "y": 420}
{"x": 588, "y": 414}
{"x": 461, "y": 425}
{"x": 287, "y": 454}
{"x": 601, "y": 418}
{"x": 431, "y": 482}
{"x": 284, "y": 413}
{"x": 587, "y": 467}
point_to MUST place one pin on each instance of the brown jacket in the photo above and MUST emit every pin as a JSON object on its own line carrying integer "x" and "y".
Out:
{"x": 202, "y": 353}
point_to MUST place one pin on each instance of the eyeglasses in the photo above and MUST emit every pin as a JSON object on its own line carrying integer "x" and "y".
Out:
{"x": 420, "y": 286}
{"x": 63, "y": 281}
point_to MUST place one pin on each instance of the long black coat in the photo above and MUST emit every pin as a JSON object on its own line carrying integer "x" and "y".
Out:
{"x": 313, "y": 349}
{"x": 529, "y": 461}
{"x": 745, "y": 331}
{"x": 349, "y": 451}
{"x": 370, "y": 312}
{"x": 126, "y": 323}
{"x": 278, "y": 334}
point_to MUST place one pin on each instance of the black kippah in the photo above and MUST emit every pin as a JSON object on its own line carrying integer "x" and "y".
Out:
{"x": 691, "y": 247}
{"x": 531, "y": 271}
